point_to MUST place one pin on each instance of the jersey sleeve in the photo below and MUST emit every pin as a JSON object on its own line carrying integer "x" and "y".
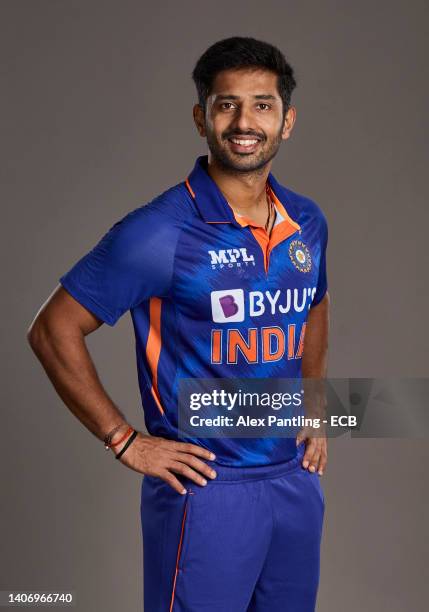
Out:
{"x": 132, "y": 262}
{"x": 322, "y": 282}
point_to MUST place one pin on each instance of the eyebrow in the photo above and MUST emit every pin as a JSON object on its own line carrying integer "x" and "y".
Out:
{"x": 257, "y": 97}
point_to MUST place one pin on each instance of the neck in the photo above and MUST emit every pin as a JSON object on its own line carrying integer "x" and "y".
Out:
{"x": 244, "y": 191}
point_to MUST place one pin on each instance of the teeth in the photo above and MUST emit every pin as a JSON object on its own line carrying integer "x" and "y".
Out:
{"x": 244, "y": 143}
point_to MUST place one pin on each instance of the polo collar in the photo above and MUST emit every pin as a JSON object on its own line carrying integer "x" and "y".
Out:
{"x": 213, "y": 206}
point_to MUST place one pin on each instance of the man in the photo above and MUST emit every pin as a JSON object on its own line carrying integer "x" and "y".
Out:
{"x": 229, "y": 524}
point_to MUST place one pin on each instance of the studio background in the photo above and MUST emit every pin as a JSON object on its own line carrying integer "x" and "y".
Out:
{"x": 97, "y": 120}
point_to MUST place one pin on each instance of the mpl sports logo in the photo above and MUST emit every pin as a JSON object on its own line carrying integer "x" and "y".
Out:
{"x": 230, "y": 258}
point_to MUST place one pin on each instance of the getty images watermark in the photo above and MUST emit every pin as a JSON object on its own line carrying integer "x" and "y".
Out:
{"x": 280, "y": 407}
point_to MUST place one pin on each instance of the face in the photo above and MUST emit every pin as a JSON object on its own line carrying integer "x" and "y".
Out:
{"x": 244, "y": 123}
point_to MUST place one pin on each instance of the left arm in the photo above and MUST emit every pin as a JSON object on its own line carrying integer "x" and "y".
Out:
{"x": 314, "y": 365}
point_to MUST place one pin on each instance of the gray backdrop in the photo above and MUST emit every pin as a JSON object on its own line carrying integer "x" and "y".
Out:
{"x": 96, "y": 120}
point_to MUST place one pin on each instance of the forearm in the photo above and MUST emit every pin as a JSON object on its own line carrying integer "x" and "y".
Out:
{"x": 315, "y": 358}
{"x": 315, "y": 362}
{"x": 315, "y": 355}
{"x": 68, "y": 364}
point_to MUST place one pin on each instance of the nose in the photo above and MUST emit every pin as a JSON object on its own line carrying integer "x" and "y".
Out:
{"x": 244, "y": 119}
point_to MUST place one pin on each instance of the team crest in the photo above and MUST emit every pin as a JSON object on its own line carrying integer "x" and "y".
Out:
{"x": 300, "y": 256}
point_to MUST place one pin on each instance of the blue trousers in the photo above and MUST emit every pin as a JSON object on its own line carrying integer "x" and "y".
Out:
{"x": 249, "y": 541}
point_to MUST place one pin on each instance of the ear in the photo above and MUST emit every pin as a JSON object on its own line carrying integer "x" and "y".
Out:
{"x": 199, "y": 119}
{"x": 289, "y": 122}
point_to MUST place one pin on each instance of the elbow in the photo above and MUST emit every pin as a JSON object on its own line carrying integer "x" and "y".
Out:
{"x": 32, "y": 336}
{"x": 37, "y": 335}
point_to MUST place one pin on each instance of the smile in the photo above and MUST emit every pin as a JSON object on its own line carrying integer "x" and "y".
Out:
{"x": 244, "y": 143}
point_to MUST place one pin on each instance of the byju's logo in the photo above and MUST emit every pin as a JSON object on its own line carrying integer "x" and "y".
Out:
{"x": 231, "y": 258}
{"x": 228, "y": 305}
{"x": 231, "y": 305}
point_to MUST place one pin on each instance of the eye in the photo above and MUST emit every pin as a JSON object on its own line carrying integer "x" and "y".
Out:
{"x": 226, "y": 105}
{"x": 267, "y": 106}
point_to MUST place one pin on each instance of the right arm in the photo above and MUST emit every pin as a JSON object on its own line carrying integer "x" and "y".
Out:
{"x": 57, "y": 337}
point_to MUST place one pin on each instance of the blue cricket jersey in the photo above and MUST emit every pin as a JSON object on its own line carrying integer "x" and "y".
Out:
{"x": 211, "y": 294}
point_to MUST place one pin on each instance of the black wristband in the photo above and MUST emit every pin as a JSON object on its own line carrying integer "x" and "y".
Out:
{"x": 127, "y": 443}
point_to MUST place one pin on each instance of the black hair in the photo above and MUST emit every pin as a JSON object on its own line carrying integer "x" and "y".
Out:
{"x": 241, "y": 52}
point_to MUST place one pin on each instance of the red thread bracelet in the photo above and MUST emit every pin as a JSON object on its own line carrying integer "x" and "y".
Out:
{"x": 130, "y": 429}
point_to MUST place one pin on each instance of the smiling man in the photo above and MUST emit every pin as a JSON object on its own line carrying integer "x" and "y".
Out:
{"x": 224, "y": 275}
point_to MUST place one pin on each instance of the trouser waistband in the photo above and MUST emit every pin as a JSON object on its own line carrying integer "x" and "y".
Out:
{"x": 260, "y": 472}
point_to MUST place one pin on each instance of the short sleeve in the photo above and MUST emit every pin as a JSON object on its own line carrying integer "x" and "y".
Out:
{"x": 322, "y": 282}
{"x": 132, "y": 262}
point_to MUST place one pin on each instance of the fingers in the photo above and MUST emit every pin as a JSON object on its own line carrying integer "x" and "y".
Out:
{"x": 309, "y": 453}
{"x": 315, "y": 456}
{"x": 170, "y": 479}
{"x": 182, "y": 465}
{"x": 157, "y": 456}
{"x": 323, "y": 458}
{"x": 300, "y": 437}
{"x": 194, "y": 449}
{"x": 195, "y": 463}
{"x": 187, "y": 472}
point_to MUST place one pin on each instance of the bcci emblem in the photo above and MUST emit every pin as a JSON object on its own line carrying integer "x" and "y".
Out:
{"x": 300, "y": 256}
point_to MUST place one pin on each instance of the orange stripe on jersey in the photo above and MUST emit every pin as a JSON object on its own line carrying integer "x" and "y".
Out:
{"x": 153, "y": 347}
{"x": 282, "y": 210}
{"x": 263, "y": 240}
{"x": 179, "y": 550}
{"x": 191, "y": 191}
{"x": 279, "y": 233}
{"x": 282, "y": 230}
